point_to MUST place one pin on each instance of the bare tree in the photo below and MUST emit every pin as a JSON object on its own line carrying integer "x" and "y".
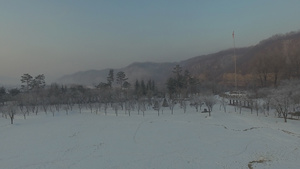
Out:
{"x": 210, "y": 101}
{"x": 143, "y": 108}
{"x": 129, "y": 105}
{"x": 223, "y": 103}
{"x": 66, "y": 108}
{"x": 164, "y": 104}
{"x": 196, "y": 101}
{"x": 157, "y": 105}
{"x": 80, "y": 103}
{"x": 12, "y": 111}
{"x": 116, "y": 107}
{"x": 105, "y": 99}
{"x": 172, "y": 103}
{"x": 282, "y": 100}
{"x": 183, "y": 105}
{"x": 262, "y": 68}
{"x": 45, "y": 104}
{"x": 265, "y": 93}
{"x": 142, "y": 105}
{"x": 3, "y": 111}
{"x": 295, "y": 97}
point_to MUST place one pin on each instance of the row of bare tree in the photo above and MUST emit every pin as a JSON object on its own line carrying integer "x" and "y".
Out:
{"x": 56, "y": 98}
{"x": 283, "y": 100}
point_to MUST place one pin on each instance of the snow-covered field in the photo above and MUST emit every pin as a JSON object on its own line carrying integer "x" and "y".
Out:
{"x": 180, "y": 141}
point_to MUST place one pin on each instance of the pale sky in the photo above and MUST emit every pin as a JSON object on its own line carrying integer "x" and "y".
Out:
{"x": 59, "y": 37}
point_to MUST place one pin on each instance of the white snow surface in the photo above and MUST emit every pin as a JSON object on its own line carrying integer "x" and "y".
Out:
{"x": 190, "y": 140}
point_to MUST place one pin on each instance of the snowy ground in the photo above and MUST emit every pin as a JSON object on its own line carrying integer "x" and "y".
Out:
{"x": 190, "y": 141}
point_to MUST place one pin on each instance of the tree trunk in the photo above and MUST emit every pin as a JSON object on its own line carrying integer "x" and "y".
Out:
{"x": 285, "y": 116}
{"x": 11, "y": 119}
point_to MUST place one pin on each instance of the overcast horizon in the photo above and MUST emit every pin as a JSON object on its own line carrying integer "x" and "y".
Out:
{"x": 61, "y": 37}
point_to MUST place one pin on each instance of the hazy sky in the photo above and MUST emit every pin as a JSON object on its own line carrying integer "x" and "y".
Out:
{"x": 58, "y": 37}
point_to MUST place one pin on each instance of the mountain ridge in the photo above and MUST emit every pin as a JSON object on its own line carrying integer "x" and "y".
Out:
{"x": 208, "y": 67}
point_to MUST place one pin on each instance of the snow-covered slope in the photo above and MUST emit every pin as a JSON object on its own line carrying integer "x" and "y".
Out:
{"x": 190, "y": 141}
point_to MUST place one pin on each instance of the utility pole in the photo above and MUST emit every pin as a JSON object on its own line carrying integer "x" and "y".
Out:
{"x": 235, "y": 80}
{"x": 234, "y": 61}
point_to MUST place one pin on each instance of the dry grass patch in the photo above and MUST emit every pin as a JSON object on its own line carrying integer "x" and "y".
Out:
{"x": 250, "y": 164}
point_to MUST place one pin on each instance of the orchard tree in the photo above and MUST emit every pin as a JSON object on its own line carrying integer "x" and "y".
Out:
{"x": 281, "y": 102}
{"x": 197, "y": 101}
{"x": 164, "y": 104}
{"x": 285, "y": 98}
{"x": 210, "y": 101}
{"x": 223, "y": 103}
{"x": 257, "y": 106}
{"x": 157, "y": 105}
{"x": 172, "y": 103}
{"x": 12, "y": 111}
{"x": 183, "y": 105}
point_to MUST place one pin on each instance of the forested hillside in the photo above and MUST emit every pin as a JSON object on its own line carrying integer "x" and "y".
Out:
{"x": 264, "y": 64}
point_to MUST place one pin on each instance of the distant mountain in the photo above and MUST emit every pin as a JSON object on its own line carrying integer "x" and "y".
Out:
{"x": 214, "y": 66}
{"x": 158, "y": 72}
{"x": 90, "y": 77}
{"x": 141, "y": 71}
{"x": 206, "y": 65}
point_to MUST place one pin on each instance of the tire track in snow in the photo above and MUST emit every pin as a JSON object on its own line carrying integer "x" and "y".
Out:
{"x": 137, "y": 129}
{"x": 291, "y": 133}
{"x": 247, "y": 129}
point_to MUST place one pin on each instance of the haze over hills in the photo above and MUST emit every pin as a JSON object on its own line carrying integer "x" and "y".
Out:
{"x": 218, "y": 67}
{"x": 206, "y": 67}
{"x": 217, "y": 63}
{"x": 145, "y": 70}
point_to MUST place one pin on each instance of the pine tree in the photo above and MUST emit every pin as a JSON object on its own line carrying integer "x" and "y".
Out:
{"x": 143, "y": 88}
{"x": 110, "y": 78}
{"x": 121, "y": 78}
{"x": 26, "y": 78}
{"x": 137, "y": 88}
